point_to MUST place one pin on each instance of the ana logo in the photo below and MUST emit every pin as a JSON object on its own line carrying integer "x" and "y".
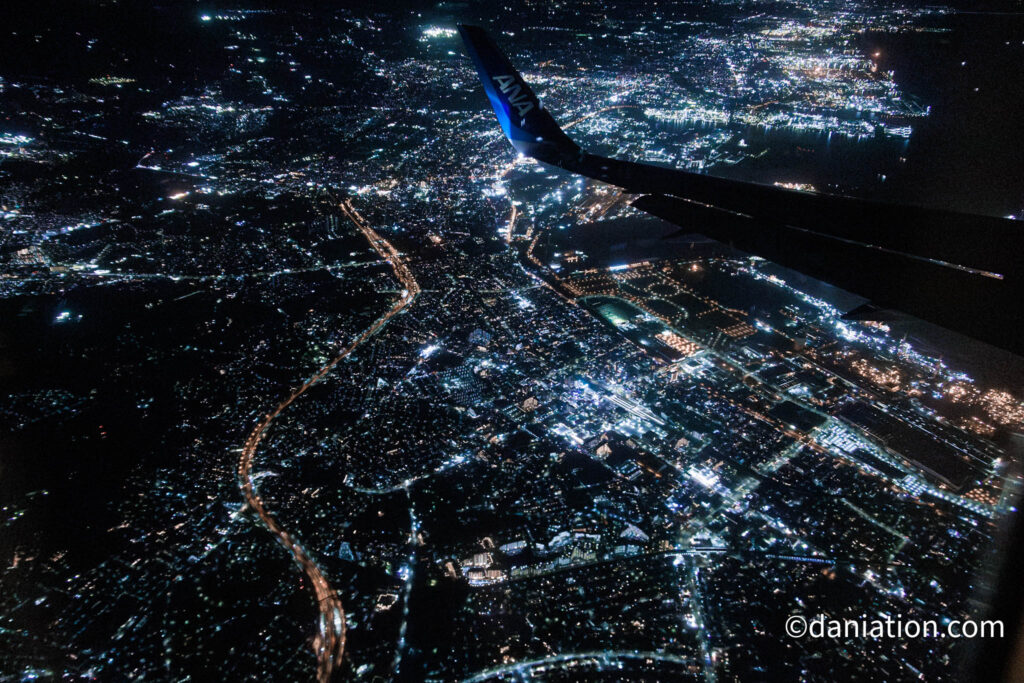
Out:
{"x": 515, "y": 94}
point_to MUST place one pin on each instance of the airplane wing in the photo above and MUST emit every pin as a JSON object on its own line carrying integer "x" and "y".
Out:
{"x": 957, "y": 270}
{"x": 522, "y": 117}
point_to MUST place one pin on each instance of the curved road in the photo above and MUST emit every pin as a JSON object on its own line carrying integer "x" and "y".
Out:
{"x": 605, "y": 658}
{"x": 330, "y": 640}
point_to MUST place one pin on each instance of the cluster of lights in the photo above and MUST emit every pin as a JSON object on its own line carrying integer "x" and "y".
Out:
{"x": 437, "y": 32}
{"x": 890, "y": 378}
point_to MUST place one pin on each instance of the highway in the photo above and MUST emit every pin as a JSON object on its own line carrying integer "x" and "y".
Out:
{"x": 330, "y": 640}
{"x": 697, "y": 609}
{"x": 605, "y": 660}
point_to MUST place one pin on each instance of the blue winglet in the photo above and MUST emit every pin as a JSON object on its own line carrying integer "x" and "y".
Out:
{"x": 525, "y": 122}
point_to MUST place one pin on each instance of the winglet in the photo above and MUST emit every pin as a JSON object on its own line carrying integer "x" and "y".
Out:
{"x": 525, "y": 122}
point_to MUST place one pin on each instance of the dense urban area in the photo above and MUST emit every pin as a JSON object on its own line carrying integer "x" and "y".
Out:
{"x": 310, "y": 376}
